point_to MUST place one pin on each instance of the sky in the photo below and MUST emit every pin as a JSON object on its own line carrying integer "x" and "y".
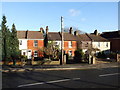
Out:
{"x": 85, "y": 16}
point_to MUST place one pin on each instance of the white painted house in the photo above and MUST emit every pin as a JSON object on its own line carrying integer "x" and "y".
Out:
{"x": 22, "y": 42}
{"x": 55, "y": 38}
{"x": 30, "y": 43}
{"x": 100, "y": 43}
{"x": 103, "y": 46}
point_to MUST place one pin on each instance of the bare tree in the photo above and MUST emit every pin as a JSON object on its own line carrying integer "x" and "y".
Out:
{"x": 51, "y": 50}
{"x": 66, "y": 29}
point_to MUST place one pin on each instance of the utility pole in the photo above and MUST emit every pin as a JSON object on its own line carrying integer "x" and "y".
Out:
{"x": 62, "y": 42}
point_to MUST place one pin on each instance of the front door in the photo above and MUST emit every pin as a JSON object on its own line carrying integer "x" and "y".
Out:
{"x": 29, "y": 55}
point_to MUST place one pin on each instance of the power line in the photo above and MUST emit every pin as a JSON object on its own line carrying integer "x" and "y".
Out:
{"x": 72, "y": 20}
{"x": 78, "y": 22}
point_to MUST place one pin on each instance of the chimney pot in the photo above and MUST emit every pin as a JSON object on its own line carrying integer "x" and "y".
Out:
{"x": 76, "y": 33}
{"x": 41, "y": 30}
{"x": 70, "y": 31}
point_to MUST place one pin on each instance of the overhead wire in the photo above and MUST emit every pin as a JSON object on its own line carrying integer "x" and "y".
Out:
{"x": 76, "y": 21}
{"x": 71, "y": 20}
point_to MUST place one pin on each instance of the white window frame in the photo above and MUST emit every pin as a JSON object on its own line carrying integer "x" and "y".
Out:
{"x": 106, "y": 44}
{"x": 55, "y": 43}
{"x": 70, "y": 52}
{"x": 35, "y": 53}
{"x": 98, "y": 44}
{"x": 70, "y": 44}
{"x": 20, "y": 42}
{"x": 35, "y": 44}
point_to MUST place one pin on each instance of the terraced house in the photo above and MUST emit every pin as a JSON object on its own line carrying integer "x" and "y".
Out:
{"x": 31, "y": 43}
{"x": 70, "y": 43}
{"x": 92, "y": 42}
{"x": 83, "y": 41}
{"x": 99, "y": 43}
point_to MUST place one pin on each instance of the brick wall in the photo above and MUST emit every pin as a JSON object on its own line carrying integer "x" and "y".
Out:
{"x": 33, "y": 48}
{"x": 115, "y": 44}
{"x": 67, "y": 48}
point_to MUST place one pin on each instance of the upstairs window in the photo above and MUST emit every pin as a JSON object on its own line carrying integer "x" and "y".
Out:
{"x": 20, "y": 42}
{"x": 107, "y": 44}
{"x": 70, "y": 44}
{"x": 98, "y": 44}
{"x": 86, "y": 44}
{"x": 35, "y": 43}
{"x": 55, "y": 43}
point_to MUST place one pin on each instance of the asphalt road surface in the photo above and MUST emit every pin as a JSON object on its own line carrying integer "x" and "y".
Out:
{"x": 88, "y": 78}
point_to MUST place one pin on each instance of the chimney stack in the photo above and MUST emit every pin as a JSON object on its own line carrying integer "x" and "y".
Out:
{"x": 26, "y": 34}
{"x": 76, "y": 33}
{"x": 41, "y": 30}
{"x": 70, "y": 31}
{"x": 96, "y": 32}
{"x": 46, "y": 29}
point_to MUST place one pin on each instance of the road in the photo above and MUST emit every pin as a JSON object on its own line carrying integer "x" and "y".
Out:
{"x": 88, "y": 78}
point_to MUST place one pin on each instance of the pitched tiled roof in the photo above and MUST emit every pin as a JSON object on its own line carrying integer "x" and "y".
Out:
{"x": 97, "y": 38}
{"x": 113, "y": 34}
{"x": 57, "y": 36}
{"x": 21, "y": 34}
{"x": 30, "y": 35}
{"x": 35, "y": 35}
{"x": 54, "y": 36}
{"x": 83, "y": 37}
{"x": 69, "y": 37}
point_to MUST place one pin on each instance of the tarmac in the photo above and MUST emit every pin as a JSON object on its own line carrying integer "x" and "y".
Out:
{"x": 28, "y": 68}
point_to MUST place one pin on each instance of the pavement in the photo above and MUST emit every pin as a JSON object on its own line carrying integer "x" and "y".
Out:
{"x": 57, "y": 67}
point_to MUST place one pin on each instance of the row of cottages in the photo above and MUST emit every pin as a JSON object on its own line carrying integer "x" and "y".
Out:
{"x": 31, "y": 43}
{"x": 70, "y": 43}
{"x": 73, "y": 41}
{"x": 92, "y": 41}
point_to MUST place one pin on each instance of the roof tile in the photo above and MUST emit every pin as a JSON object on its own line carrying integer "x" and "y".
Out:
{"x": 30, "y": 35}
{"x": 97, "y": 38}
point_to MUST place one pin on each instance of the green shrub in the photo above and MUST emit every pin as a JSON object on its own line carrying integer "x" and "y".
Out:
{"x": 23, "y": 57}
{"x": 79, "y": 55}
{"x": 101, "y": 55}
{"x": 112, "y": 55}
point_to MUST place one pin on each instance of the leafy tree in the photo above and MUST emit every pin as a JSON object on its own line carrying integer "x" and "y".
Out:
{"x": 101, "y": 55}
{"x": 66, "y": 29}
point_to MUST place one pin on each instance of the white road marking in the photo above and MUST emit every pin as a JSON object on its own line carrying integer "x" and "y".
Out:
{"x": 108, "y": 74}
{"x": 58, "y": 81}
{"x": 75, "y": 78}
{"x": 48, "y": 82}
